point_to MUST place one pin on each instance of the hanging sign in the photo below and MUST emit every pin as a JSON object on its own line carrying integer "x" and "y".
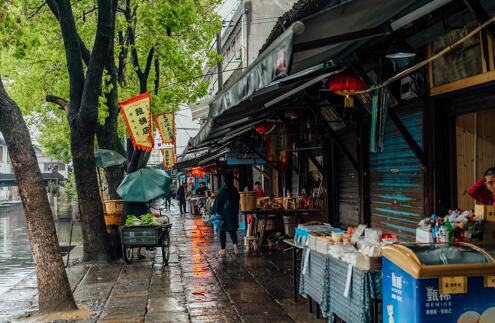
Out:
{"x": 168, "y": 157}
{"x": 165, "y": 123}
{"x": 137, "y": 116}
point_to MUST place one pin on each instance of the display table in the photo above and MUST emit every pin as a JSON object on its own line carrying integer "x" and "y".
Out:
{"x": 295, "y": 248}
{"x": 267, "y": 214}
{"x": 324, "y": 280}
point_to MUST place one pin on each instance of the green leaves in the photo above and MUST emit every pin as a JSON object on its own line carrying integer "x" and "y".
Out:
{"x": 32, "y": 56}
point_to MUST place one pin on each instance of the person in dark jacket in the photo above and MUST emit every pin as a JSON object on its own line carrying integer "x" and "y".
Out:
{"x": 227, "y": 206}
{"x": 483, "y": 191}
{"x": 181, "y": 197}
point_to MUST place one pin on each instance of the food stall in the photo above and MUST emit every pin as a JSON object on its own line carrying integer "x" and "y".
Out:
{"x": 438, "y": 283}
{"x": 263, "y": 212}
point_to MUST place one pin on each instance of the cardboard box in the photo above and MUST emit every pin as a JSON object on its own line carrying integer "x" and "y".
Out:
{"x": 423, "y": 236}
{"x": 487, "y": 212}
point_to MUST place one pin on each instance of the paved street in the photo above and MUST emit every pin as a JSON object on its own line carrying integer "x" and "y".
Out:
{"x": 197, "y": 286}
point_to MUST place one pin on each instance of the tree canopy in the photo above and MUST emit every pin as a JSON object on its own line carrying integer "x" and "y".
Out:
{"x": 178, "y": 32}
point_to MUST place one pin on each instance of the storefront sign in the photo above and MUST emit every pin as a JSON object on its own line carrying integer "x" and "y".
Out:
{"x": 137, "y": 116}
{"x": 168, "y": 158}
{"x": 165, "y": 123}
{"x": 245, "y": 157}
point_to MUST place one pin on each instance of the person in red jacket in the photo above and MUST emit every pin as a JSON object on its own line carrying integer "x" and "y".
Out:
{"x": 258, "y": 190}
{"x": 483, "y": 191}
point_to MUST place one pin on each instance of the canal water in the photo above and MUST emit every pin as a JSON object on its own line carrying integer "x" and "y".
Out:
{"x": 16, "y": 262}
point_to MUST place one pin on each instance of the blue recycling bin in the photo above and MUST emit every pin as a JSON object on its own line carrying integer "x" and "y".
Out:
{"x": 438, "y": 283}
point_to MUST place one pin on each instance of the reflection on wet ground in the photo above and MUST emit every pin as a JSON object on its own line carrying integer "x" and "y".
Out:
{"x": 16, "y": 261}
{"x": 197, "y": 286}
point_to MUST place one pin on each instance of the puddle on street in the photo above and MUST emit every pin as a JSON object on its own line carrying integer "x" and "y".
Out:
{"x": 16, "y": 262}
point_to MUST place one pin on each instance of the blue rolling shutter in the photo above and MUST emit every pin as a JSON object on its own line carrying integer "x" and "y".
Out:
{"x": 397, "y": 179}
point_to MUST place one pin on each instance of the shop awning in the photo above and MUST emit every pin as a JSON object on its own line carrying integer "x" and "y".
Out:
{"x": 242, "y": 117}
{"x": 199, "y": 157}
{"x": 338, "y": 28}
{"x": 303, "y": 50}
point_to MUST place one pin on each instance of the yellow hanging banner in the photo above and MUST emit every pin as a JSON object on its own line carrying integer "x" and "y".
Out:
{"x": 165, "y": 123}
{"x": 168, "y": 158}
{"x": 137, "y": 116}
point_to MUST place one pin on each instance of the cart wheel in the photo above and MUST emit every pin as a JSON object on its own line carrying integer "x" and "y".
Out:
{"x": 128, "y": 254}
{"x": 166, "y": 248}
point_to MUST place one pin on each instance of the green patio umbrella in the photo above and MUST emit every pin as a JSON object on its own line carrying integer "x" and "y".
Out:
{"x": 144, "y": 185}
{"x": 106, "y": 158}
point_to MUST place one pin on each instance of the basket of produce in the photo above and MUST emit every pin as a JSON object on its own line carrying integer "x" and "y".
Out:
{"x": 147, "y": 231}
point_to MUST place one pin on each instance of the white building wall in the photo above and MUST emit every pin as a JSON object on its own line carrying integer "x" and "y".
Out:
{"x": 261, "y": 18}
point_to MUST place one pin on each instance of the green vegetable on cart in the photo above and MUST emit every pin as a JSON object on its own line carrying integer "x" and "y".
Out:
{"x": 146, "y": 219}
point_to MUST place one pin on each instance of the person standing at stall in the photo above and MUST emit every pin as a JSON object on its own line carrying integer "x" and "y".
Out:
{"x": 202, "y": 189}
{"x": 258, "y": 189}
{"x": 181, "y": 197}
{"x": 227, "y": 206}
{"x": 483, "y": 191}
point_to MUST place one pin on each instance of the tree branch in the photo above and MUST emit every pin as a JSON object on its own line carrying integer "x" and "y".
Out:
{"x": 61, "y": 102}
{"x": 124, "y": 49}
{"x": 157, "y": 75}
{"x": 72, "y": 52}
{"x": 37, "y": 10}
{"x": 85, "y": 54}
{"x": 92, "y": 88}
{"x": 132, "y": 38}
{"x": 149, "y": 60}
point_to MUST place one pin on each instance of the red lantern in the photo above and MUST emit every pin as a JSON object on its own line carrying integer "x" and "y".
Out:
{"x": 263, "y": 128}
{"x": 346, "y": 84}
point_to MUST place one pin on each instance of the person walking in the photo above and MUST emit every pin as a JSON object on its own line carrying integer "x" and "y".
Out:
{"x": 168, "y": 200}
{"x": 181, "y": 197}
{"x": 227, "y": 206}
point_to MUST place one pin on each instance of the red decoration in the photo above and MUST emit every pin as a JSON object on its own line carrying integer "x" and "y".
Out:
{"x": 346, "y": 84}
{"x": 198, "y": 171}
{"x": 263, "y": 128}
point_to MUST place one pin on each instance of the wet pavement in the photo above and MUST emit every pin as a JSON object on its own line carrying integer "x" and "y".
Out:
{"x": 196, "y": 286}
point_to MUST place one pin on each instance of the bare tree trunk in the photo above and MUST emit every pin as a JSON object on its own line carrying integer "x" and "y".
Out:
{"x": 53, "y": 286}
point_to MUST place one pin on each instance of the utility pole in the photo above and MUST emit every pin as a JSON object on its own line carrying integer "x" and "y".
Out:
{"x": 219, "y": 65}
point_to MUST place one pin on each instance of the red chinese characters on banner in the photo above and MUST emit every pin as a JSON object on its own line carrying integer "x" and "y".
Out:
{"x": 168, "y": 157}
{"x": 165, "y": 123}
{"x": 137, "y": 116}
